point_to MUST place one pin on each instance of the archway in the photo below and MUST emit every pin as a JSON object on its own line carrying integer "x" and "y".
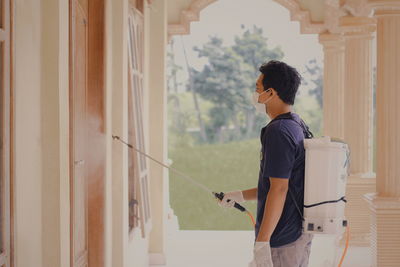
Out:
{"x": 227, "y": 13}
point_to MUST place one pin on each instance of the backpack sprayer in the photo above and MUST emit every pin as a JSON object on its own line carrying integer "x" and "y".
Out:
{"x": 325, "y": 178}
{"x": 326, "y": 172}
{"x": 219, "y": 196}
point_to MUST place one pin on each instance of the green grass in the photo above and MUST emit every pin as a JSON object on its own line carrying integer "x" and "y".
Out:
{"x": 221, "y": 167}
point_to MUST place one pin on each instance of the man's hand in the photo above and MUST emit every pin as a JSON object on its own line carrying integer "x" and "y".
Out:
{"x": 230, "y": 198}
{"x": 262, "y": 255}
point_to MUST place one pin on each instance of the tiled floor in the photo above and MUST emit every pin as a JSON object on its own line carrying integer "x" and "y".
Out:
{"x": 234, "y": 249}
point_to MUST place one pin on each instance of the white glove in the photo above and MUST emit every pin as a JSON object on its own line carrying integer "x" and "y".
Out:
{"x": 262, "y": 255}
{"x": 231, "y": 198}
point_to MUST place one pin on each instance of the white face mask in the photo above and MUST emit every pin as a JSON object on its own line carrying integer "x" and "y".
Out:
{"x": 260, "y": 107}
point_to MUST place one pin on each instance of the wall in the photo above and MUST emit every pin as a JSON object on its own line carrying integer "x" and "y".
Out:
{"x": 42, "y": 137}
{"x": 157, "y": 111}
{"x": 55, "y": 134}
{"x": 108, "y": 129}
{"x": 118, "y": 126}
{"x": 27, "y": 146}
{"x": 41, "y": 191}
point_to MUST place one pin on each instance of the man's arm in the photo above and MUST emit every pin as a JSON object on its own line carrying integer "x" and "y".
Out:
{"x": 273, "y": 208}
{"x": 250, "y": 194}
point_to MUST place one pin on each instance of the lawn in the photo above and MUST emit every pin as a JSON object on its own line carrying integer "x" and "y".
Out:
{"x": 220, "y": 167}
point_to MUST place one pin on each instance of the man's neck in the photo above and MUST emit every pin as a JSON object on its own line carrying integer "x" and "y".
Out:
{"x": 275, "y": 113}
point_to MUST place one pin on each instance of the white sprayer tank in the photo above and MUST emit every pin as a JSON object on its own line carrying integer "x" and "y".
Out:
{"x": 325, "y": 180}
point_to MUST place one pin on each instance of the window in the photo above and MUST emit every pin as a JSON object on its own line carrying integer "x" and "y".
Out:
{"x": 5, "y": 133}
{"x": 139, "y": 206}
{"x": 138, "y": 5}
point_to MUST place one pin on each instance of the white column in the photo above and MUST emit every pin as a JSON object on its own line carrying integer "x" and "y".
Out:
{"x": 388, "y": 96}
{"x": 117, "y": 85}
{"x": 333, "y": 92}
{"x": 385, "y": 204}
{"x": 358, "y": 123}
{"x": 157, "y": 107}
{"x": 54, "y": 138}
{"x": 358, "y": 92}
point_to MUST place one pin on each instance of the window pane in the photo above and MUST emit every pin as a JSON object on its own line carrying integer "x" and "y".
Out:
{"x": 138, "y": 212}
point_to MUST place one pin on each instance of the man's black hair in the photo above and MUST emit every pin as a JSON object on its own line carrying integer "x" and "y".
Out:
{"x": 281, "y": 77}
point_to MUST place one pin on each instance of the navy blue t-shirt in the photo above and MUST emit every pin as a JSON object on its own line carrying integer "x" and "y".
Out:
{"x": 282, "y": 156}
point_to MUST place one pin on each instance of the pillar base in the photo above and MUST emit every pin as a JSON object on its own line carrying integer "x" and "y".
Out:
{"x": 357, "y": 211}
{"x": 385, "y": 230}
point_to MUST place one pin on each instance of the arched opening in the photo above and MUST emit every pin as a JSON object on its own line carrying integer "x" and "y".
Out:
{"x": 226, "y": 163}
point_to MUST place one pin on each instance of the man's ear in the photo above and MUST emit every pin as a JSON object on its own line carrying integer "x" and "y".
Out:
{"x": 272, "y": 92}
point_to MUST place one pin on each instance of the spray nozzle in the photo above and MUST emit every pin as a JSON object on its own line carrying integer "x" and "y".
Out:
{"x": 221, "y": 195}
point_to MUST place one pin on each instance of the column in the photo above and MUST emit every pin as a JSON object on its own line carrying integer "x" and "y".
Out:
{"x": 358, "y": 122}
{"x": 358, "y": 34}
{"x": 54, "y": 140}
{"x": 117, "y": 250}
{"x": 157, "y": 110}
{"x": 385, "y": 203}
{"x": 333, "y": 92}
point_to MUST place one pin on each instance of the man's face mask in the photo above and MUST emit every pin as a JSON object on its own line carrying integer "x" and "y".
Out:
{"x": 260, "y": 107}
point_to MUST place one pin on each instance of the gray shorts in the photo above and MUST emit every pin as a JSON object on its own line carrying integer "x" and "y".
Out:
{"x": 294, "y": 254}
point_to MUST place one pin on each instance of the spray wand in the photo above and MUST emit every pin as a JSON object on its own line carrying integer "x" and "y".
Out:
{"x": 219, "y": 196}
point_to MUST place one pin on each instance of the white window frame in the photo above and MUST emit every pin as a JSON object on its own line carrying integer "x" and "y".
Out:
{"x": 136, "y": 100}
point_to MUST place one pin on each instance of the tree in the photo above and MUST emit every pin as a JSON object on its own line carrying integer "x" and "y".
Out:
{"x": 252, "y": 47}
{"x": 178, "y": 118}
{"x": 317, "y": 79}
{"x": 223, "y": 81}
{"x": 191, "y": 88}
{"x": 309, "y": 103}
{"x": 228, "y": 81}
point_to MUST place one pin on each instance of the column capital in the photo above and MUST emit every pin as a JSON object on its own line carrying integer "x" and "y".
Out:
{"x": 332, "y": 41}
{"x": 387, "y": 13}
{"x": 385, "y": 7}
{"x": 375, "y": 7}
{"x": 357, "y": 27}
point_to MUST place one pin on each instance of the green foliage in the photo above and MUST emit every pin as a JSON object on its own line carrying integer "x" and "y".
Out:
{"x": 228, "y": 80}
{"x": 221, "y": 167}
{"x": 182, "y": 119}
{"x": 317, "y": 80}
{"x": 310, "y": 111}
{"x": 223, "y": 80}
{"x": 173, "y": 69}
{"x": 253, "y": 47}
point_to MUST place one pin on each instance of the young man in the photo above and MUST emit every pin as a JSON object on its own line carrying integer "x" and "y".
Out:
{"x": 279, "y": 238}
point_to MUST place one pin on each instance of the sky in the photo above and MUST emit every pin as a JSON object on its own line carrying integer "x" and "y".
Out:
{"x": 224, "y": 19}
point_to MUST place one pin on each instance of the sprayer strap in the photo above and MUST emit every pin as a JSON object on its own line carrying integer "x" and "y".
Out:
{"x": 326, "y": 202}
{"x": 295, "y": 203}
{"x": 306, "y": 130}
